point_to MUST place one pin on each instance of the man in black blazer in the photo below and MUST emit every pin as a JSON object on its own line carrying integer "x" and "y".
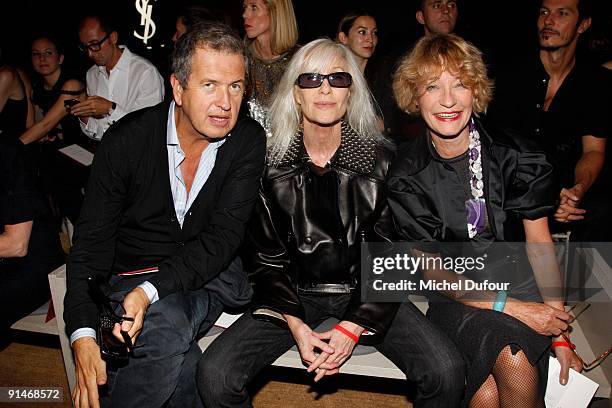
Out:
{"x": 171, "y": 189}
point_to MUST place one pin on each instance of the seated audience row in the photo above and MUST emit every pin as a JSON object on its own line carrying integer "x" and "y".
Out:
{"x": 323, "y": 192}
{"x": 187, "y": 212}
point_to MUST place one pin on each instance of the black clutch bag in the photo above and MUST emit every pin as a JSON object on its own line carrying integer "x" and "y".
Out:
{"x": 111, "y": 348}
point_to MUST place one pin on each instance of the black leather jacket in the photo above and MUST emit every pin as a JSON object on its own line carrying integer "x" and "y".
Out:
{"x": 308, "y": 227}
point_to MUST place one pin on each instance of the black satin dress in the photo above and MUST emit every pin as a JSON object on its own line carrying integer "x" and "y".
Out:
{"x": 427, "y": 198}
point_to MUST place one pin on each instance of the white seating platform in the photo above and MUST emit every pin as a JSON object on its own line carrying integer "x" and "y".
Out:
{"x": 373, "y": 364}
{"x": 35, "y": 322}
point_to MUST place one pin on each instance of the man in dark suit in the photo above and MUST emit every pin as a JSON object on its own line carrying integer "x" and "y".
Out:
{"x": 171, "y": 189}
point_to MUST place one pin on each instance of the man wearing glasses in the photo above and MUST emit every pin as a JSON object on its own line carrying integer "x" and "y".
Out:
{"x": 120, "y": 81}
{"x": 171, "y": 189}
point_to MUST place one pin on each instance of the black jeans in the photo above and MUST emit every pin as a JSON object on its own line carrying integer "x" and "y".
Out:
{"x": 427, "y": 357}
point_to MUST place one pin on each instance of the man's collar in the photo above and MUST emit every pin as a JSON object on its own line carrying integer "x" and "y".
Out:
{"x": 171, "y": 134}
{"x": 124, "y": 61}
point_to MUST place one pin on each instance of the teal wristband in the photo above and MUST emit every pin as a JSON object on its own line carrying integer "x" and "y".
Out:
{"x": 500, "y": 301}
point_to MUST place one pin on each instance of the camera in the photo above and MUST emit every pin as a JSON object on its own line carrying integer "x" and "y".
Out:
{"x": 69, "y": 103}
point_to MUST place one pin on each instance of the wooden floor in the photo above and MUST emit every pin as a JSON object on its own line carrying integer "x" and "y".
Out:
{"x": 35, "y": 360}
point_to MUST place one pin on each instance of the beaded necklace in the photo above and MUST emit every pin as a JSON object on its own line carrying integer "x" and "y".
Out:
{"x": 476, "y": 206}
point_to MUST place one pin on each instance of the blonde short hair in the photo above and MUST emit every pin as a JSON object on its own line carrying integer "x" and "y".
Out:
{"x": 433, "y": 55}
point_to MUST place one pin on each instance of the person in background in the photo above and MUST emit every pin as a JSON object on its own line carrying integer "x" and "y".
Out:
{"x": 27, "y": 84}
{"x": 120, "y": 81}
{"x": 13, "y": 102}
{"x": 30, "y": 248}
{"x": 458, "y": 183}
{"x": 53, "y": 93}
{"x": 359, "y": 32}
{"x": 553, "y": 95}
{"x": 323, "y": 194}
{"x": 50, "y": 91}
{"x": 271, "y": 36}
{"x": 190, "y": 16}
{"x": 437, "y": 16}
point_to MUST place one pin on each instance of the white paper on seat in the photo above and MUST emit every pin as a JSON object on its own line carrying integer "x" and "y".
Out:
{"x": 577, "y": 393}
{"x": 78, "y": 154}
{"x": 226, "y": 320}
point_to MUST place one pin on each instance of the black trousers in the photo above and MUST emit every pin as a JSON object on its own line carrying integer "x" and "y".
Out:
{"x": 428, "y": 358}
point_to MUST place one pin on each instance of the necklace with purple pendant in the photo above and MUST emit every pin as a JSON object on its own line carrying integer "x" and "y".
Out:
{"x": 476, "y": 206}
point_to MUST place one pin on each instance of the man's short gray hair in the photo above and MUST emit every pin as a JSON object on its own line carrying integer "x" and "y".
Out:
{"x": 214, "y": 35}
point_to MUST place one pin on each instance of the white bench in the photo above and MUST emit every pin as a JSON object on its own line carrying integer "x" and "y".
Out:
{"x": 375, "y": 364}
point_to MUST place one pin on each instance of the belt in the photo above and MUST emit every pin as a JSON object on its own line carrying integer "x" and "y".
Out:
{"x": 325, "y": 288}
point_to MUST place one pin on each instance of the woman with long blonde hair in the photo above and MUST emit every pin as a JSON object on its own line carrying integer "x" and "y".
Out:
{"x": 271, "y": 35}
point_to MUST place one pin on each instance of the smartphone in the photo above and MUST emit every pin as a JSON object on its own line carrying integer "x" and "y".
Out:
{"x": 110, "y": 347}
{"x": 69, "y": 103}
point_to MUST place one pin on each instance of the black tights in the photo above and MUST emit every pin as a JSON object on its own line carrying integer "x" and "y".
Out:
{"x": 513, "y": 382}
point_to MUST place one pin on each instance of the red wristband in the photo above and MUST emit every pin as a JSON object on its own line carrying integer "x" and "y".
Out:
{"x": 563, "y": 344}
{"x": 347, "y": 333}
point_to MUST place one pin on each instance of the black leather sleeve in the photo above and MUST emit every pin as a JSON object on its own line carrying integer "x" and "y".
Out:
{"x": 268, "y": 261}
{"x": 376, "y": 317}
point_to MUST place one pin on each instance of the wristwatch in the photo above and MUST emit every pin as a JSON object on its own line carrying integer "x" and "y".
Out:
{"x": 113, "y": 106}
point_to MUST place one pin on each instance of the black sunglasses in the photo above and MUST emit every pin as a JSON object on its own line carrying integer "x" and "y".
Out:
{"x": 311, "y": 80}
{"x": 95, "y": 46}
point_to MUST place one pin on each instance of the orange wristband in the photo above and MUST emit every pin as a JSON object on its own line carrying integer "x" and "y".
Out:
{"x": 563, "y": 344}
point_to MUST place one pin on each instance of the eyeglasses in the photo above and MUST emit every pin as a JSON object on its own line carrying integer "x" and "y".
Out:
{"x": 311, "y": 80}
{"x": 94, "y": 46}
{"x": 578, "y": 309}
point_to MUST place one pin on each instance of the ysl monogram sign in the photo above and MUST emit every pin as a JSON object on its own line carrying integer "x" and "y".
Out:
{"x": 145, "y": 9}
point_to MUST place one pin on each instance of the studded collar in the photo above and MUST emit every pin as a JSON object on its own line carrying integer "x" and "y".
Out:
{"x": 355, "y": 153}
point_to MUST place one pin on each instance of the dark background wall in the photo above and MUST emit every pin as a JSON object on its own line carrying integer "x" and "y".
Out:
{"x": 504, "y": 30}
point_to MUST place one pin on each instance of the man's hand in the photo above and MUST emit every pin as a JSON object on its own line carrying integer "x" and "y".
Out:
{"x": 567, "y": 359}
{"x": 541, "y": 317}
{"x": 568, "y": 205}
{"x": 94, "y": 105}
{"x": 328, "y": 364}
{"x": 90, "y": 373}
{"x": 135, "y": 304}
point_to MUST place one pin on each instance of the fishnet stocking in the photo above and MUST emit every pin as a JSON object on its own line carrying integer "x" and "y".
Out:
{"x": 517, "y": 381}
{"x": 487, "y": 395}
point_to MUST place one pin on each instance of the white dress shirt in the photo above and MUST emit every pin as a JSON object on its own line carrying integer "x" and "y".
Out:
{"x": 134, "y": 83}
